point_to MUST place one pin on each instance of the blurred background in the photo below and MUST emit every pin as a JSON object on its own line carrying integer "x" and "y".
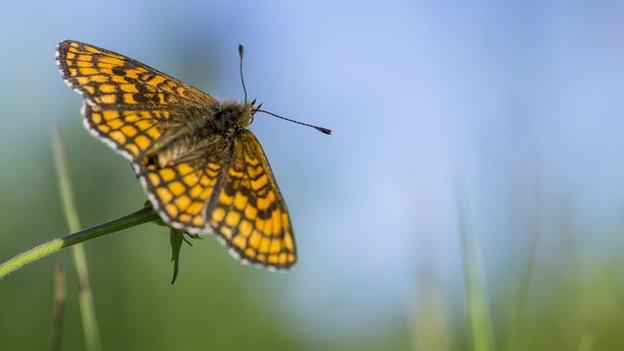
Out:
{"x": 472, "y": 195}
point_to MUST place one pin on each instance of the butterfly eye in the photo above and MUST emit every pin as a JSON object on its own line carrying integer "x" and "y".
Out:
{"x": 225, "y": 115}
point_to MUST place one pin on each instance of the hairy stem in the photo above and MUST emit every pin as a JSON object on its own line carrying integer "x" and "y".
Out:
{"x": 141, "y": 216}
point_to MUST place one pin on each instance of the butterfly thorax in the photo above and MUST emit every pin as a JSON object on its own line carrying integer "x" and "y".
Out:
{"x": 213, "y": 127}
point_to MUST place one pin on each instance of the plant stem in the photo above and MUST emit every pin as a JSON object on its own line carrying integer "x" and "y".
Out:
{"x": 135, "y": 218}
{"x": 85, "y": 296}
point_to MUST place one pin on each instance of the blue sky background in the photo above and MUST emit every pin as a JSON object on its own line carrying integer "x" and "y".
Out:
{"x": 521, "y": 100}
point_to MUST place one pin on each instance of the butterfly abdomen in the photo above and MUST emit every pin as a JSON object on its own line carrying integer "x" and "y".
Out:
{"x": 185, "y": 145}
{"x": 176, "y": 150}
{"x": 173, "y": 148}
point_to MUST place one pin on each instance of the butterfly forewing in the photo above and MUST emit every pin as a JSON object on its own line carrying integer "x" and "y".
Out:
{"x": 132, "y": 132}
{"x": 109, "y": 78}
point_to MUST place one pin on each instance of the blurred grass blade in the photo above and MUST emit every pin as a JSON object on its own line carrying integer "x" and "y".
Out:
{"x": 587, "y": 340}
{"x": 476, "y": 300}
{"x": 430, "y": 325}
{"x": 518, "y": 334}
{"x": 85, "y": 297}
{"x": 60, "y": 292}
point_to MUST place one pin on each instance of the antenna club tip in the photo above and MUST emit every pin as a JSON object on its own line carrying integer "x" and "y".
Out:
{"x": 325, "y": 130}
{"x": 241, "y": 49}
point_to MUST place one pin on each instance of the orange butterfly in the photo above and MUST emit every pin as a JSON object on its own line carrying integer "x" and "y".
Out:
{"x": 200, "y": 166}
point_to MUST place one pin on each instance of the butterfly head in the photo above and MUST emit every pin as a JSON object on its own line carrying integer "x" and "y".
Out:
{"x": 231, "y": 116}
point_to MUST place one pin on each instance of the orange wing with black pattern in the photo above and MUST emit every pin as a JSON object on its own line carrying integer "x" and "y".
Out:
{"x": 128, "y": 104}
{"x": 104, "y": 77}
{"x": 131, "y": 132}
{"x": 232, "y": 194}
{"x": 180, "y": 192}
{"x": 248, "y": 211}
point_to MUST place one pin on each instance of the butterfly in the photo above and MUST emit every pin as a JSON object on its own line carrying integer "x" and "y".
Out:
{"x": 201, "y": 168}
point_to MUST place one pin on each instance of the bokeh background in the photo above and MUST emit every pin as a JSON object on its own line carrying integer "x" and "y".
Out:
{"x": 501, "y": 121}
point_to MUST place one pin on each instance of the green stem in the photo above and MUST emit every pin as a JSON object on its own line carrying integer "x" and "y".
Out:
{"x": 141, "y": 216}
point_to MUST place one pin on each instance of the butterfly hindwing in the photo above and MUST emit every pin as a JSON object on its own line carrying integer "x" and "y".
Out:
{"x": 233, "y": 195}
{"x": 180, "y": 192}
{"x": 247, "y": 209}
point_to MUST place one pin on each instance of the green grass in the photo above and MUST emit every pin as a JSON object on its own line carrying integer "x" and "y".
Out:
{"x": 549, "y": 296}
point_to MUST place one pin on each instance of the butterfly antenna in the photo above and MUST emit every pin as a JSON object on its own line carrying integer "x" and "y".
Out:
{"x": 320, "y": 129}
{"x": 241, "y": 51}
